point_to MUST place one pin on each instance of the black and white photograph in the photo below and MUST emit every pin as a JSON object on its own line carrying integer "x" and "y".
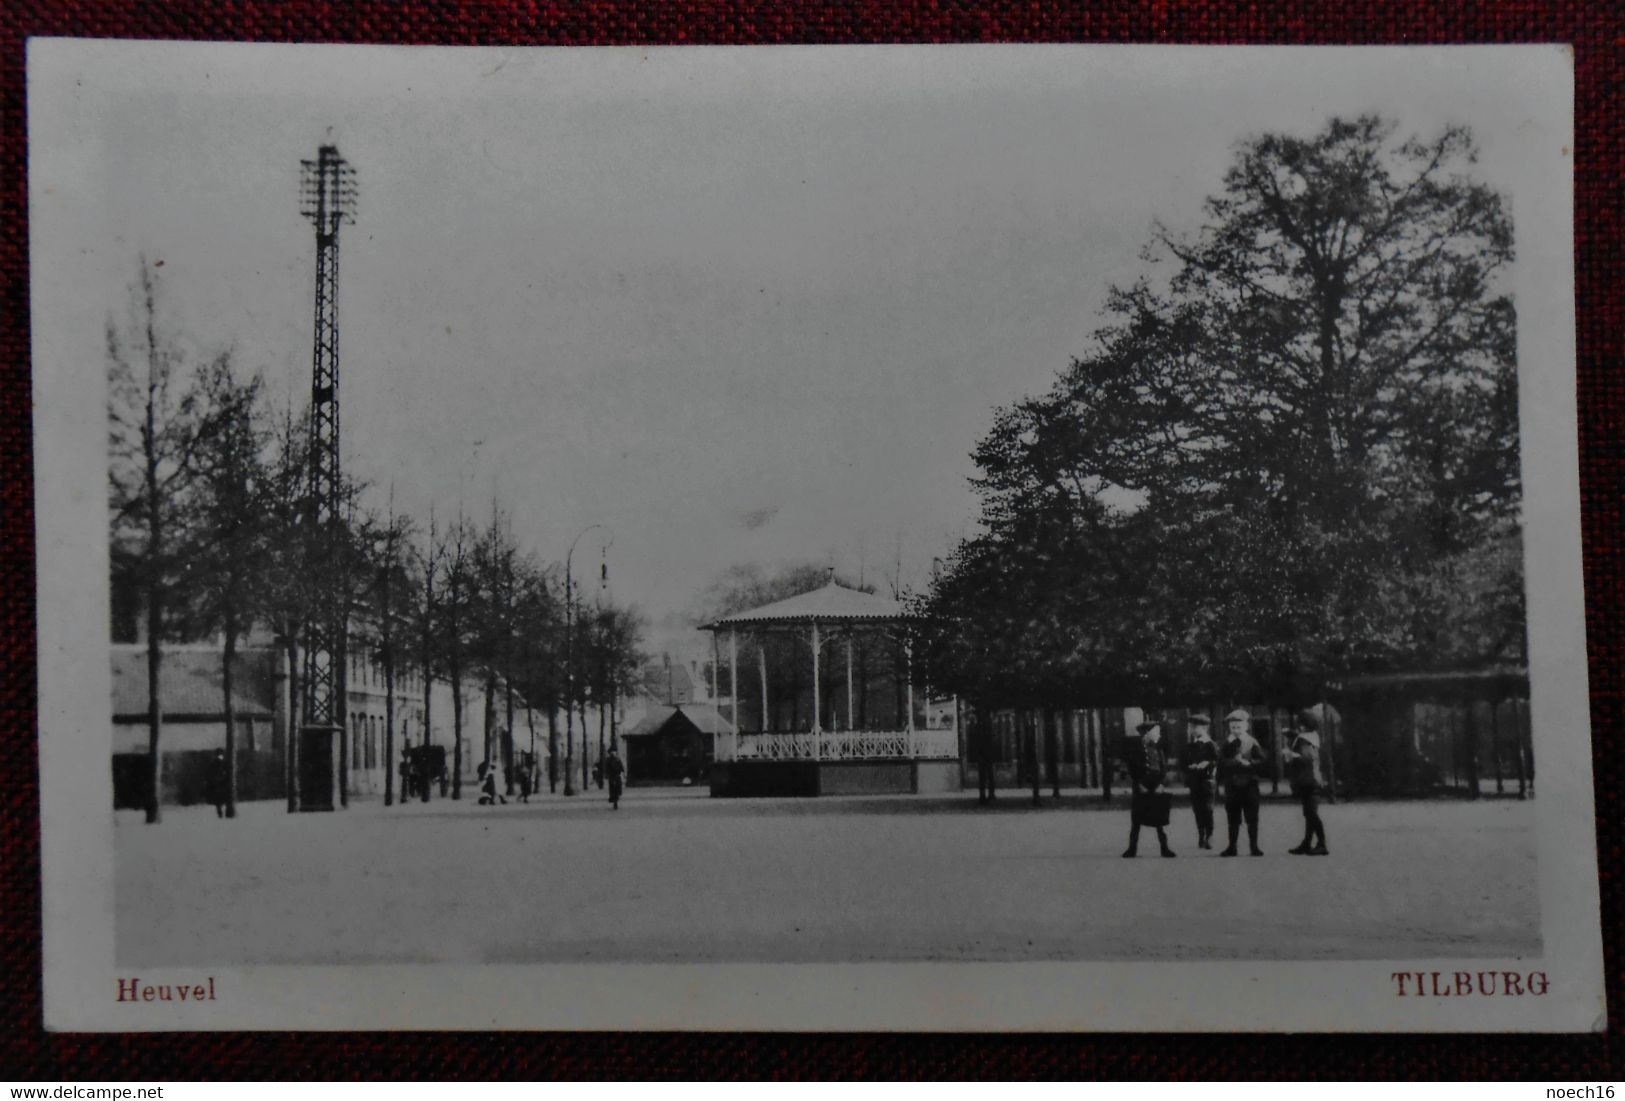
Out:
{"x": 935, "y": 538}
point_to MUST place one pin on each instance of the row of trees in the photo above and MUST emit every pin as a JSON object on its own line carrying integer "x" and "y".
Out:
{"x": 210, "y": 520}
{"x": 1291, "y": 453}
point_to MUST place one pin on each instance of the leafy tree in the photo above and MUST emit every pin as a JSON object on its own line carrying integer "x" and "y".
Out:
{"x": 1285, "y": 459}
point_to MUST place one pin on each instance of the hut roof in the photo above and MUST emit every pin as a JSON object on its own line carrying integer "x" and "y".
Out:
{"x": 191, "y": 683}
{"x": 703, "y": 716}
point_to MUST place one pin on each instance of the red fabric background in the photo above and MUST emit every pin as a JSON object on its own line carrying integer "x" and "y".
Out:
{"x": 1596, "y": 32}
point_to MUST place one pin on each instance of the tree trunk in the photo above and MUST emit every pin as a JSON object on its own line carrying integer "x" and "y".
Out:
{"x": 1052, "y": 750}
{"x": 231, "y": 719}
{"x": 389, "y": 716}
{"x": 456, "y": 732}
{"x": 552, "y": 746}
{"x": 427, "y": 736}
{"x": 1106, "y": 764}
{"x": 291, "y": 721}
{"x": 1275, "y": 747}
{"x": 507, "y": 748}
{"x": 1517, "y": 734}
{"x": 1470, "y": 733}
{"x": 1031, "y": 725}
{"x": 569, "y": 741}
{"x": 1331, "y": 757}
{"x": 601, "y": 718}
{"x": 155, "y": 705}
{"x": 1495, "y": 746}
{"x": 490, "y": 717}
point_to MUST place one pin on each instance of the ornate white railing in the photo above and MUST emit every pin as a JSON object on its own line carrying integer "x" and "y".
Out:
{"x": 840, "y": 745}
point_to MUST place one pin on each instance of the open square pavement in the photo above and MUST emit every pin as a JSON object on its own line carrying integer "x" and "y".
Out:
{"x": 674, "y": 876}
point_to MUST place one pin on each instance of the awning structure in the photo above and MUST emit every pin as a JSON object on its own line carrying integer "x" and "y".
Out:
{"x": 1503, "y": 681}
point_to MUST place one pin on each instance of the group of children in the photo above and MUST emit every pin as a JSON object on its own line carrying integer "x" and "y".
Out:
{"x": 1237, "y": 764}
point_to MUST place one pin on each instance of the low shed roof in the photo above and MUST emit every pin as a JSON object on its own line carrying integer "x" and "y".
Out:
{"x": 703, "y": 715}
{"x": 191, "y": 683}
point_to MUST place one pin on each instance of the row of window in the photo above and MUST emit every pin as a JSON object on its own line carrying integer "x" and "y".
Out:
{"x": 366, "y": 740}
{"x": 367, "y": 669}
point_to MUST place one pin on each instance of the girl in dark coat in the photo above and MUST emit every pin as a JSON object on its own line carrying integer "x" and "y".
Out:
{"x": 1147, "y": 765}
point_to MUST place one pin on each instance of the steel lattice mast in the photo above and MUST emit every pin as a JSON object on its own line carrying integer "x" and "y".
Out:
{"x": 327, "y": 198}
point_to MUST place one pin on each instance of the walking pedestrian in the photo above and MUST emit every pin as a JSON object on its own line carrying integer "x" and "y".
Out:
{"x": 1148, "y": 766}
{"x": 214, "y": 784}
{"x": 1199, "y": 760}
{"x": 524, "y": 783}
{"x": 489, "y": 795}
{"x": 1302, "y": 760}
{"x": 1239, "y": 760}
{"x": 614, "y": 769}
{"x": 405, "y": 770}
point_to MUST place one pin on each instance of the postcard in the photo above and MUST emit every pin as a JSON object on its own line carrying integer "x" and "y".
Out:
{"x": 947, "y": 538}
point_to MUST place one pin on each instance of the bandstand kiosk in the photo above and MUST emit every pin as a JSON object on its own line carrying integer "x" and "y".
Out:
{"x": 840, "y": 759}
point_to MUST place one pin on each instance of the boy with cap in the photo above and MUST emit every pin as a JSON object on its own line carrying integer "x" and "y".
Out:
{"x": 1147, "y": 765}
{"x": 1239, "y": 759}
{"x": 1199, "y": 760}
{"x": 1303, "y": 766}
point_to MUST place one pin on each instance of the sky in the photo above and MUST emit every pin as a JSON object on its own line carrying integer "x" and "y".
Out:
{"x": 735, "y": 305}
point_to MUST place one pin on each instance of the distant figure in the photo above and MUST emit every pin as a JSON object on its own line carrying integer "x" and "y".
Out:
{"x": 1199, "y": 760}
{"x": 489, "y": 795}
{"x": 1303, "y": 766}
{"x": 598, "y": 773}
{"x": 406, "y": 771}
{"x": 215, "y": 783}
{"x": 524, "y": 784}
{"x": 1149, "y": 807}
{"x": 1239, "y": 759}
{"x": 614, "y": 770}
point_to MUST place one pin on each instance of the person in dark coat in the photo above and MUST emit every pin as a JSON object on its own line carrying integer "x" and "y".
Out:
{"x": 489, "y": 795}
{"x": 405, "y": 770}
{"x": 1147, "y": 766}
{"x": 1239, "y": 761}
{"x": 1302, "y": 761}
{"x": 614, "y": 770}
{"x": 1199, "y": 760}
{"x": 215, "y": 783}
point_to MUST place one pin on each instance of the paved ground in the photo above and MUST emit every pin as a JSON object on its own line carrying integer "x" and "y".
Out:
{"x": 675, "y": 876}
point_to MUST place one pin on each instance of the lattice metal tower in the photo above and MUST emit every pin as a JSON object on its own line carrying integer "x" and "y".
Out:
{"x": 327, "y": 198}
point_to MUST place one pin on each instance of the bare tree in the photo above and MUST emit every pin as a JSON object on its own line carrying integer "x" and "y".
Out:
{"x": 285, "y": 586}
{"x": 454, "y": 626}
{"x": 226, "y": 547}
{"x": 388, "y": 593}
{"x": 152, "y": 434}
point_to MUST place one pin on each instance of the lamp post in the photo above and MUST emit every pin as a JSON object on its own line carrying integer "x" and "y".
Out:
{"x": 569, "y": 662}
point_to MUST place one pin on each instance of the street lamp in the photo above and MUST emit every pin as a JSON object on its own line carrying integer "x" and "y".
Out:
{"x": 569, "y": 663}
